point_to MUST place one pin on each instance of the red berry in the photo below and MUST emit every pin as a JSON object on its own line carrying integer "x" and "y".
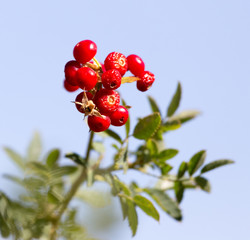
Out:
{"x": 79, "y": 98}
{"x": 111, "y": 79}
{"x": 86, "y": 78}
{"x": 119, "y": 117}
{"x": 147, "y": 79}
{"x": 69, "y": 87}
{"x": 103, "y": 67}
{"x": 116, "y": 61}
{"x": 84, "y": 51}
{"x": 135, "y": 64}
{"x": 98, "y": 124}
{"x": 107, "y": 101}
{"x": 70, "y": 70}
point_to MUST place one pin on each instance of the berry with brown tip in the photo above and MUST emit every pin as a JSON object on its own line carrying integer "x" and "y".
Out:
{"x": 116, "y": 61}
{"x": 79, "y": 99}
{"x": 146, "y": 80}
{"x": 111, "y": 79}
{"x": 119, "y": 117}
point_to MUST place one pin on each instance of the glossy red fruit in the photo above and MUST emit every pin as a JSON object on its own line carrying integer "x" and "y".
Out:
{"x": 84, "y": 51}
{"x": 147, "y": 79}
{"x": 116, "y": 61}
{"x": 70, "y": 70}
{"x": 69, "y": 87}
{"x": 119, "y": 117}
{"x": 98, "y": 124}
{"x": 111, "y": 79}
{"x": 135, "y": 64}
{"x": 107, "y": 101}
{"x": 86, "y": 78}
{"x": 79, "y": 98}
{"x": 103, "y": 67}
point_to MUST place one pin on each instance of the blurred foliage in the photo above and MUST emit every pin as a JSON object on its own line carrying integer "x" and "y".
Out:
{"x": 43, "y": 210}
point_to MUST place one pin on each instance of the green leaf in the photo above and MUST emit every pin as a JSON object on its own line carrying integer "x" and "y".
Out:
{"x": 121, "y": 158}
{"x": 14, "y": 179}
{"x": 146, "y": 127}
{"x": 127, "y": 126}
{"x": 33, "y": 183}
{"x": 165, "y": 168}
{"x": 124, "y": 207}
{"x": 15, "y": 157}
{"x": 98, "y": 147}
{"x": 165, "y": 202}
{"x": 196, "y": 162}
{"x": 35, "y": 148}
{"x": 38, "y": 168}
{"x": 53, "y": 197}
{"x": 167, "y": 154}
{"x": 62, "y": 171}
{"x": 182, "y": 169}
{"x": 53, "y": 157}
{"x": 76, "y": 158}
{"x": 122, "y": 186}
{"x": 216, "y": 164}
{"x": 153, "y": 105}
{"x": 146, "y": 206}
{"x": 171, "y": 125}
{"x": 184, "y": 116}
{"x": 132, "y": 216}
{"x": 4, "y": 229}
{"x": 203, "y": 183}
{"x": 179, "y": 190}
{"x": 152, "y": 146}
{"x": 175, "y": 101}
{"x": 114, "y": 135}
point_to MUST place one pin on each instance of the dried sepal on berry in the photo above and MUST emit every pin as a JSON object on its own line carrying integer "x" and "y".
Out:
{"x": 86, "y": 106}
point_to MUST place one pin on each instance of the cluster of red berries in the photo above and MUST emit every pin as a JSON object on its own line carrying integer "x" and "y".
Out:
{"x": 98, "y": 100}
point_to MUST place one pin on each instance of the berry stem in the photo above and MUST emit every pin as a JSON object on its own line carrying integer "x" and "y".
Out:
{"x": 97, "y": 63}
{"x": 72, "y": 191}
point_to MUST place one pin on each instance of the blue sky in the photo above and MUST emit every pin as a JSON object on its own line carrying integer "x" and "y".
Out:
{"x": 202, "y": 44}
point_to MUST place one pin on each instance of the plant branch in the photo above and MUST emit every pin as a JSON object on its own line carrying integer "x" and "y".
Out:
{"x": 72, "y": 190}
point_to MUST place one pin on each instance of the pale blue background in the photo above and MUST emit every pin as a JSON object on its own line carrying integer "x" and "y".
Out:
{"x": 203, "y": 44}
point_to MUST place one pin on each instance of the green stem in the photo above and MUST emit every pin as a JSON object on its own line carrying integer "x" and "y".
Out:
{"x": 72, "y": 191}
{"x": 97, "y": 63}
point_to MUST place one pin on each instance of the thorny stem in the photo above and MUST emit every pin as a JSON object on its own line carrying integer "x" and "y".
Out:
{"x": 72, "y": 191}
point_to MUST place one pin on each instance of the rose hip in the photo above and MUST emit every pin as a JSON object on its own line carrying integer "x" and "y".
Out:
{"x": 70, "y": 70}
{"x": 84, "y": 51}
{"x": 116, "y": 61}
{"x": 69, "y": 87}
{"x": 119, "y": 117}
{"x": 98, "y": 124}
{"x": 135, "y": 64}
{"x": 146, "y": 80}
{"x": 111, "y": 79}
{"x": 107, "y": 101}
{"x": 79, "y": 98}
{"x": 86, "y": 78}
